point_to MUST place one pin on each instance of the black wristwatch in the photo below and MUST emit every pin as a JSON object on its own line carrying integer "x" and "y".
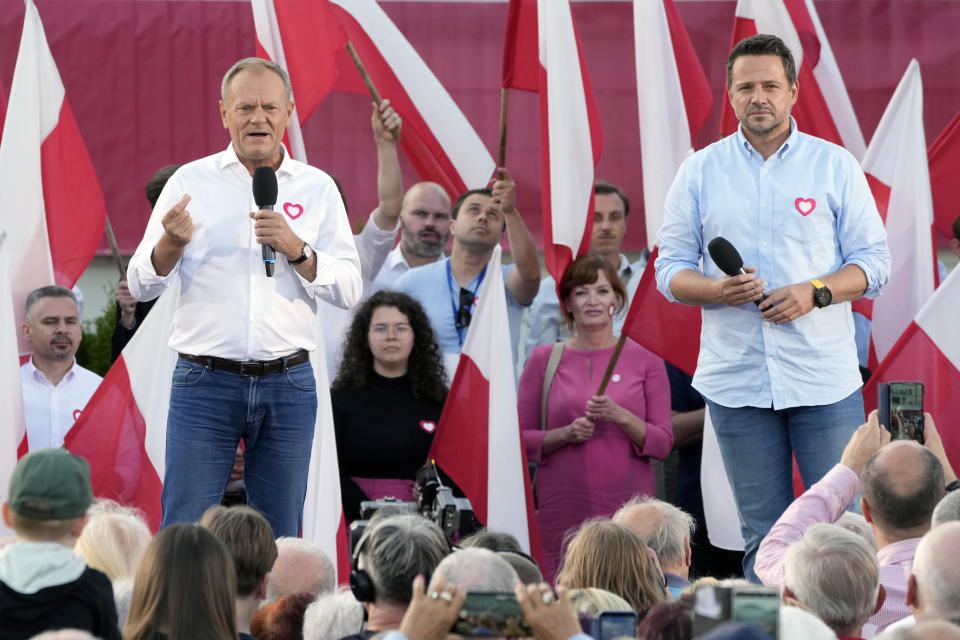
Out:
{"x": 304, "y": 254}
{"x": 822, "y": 297}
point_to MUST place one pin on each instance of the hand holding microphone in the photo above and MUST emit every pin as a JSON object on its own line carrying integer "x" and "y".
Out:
{"x": 742, "y": 286}
{"x": 265, "y": 195}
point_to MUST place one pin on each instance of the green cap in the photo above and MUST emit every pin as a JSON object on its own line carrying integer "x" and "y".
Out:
{"x": 51, "y": 484}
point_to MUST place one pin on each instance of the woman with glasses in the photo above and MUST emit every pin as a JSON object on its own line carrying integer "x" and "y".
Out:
{"x": 593, "y": 450}
{"x": 387, "y": 399}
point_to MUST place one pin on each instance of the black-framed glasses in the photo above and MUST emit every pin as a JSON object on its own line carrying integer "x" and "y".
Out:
{"x": 464, "y": 314}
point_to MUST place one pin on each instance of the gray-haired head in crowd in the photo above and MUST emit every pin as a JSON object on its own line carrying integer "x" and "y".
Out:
{"x": 396, "y": 550}
{"x": 664, "y": 528}
{"x": 478, "y": 570}
{"x": 333, "y": 616}
{"x": 933, "y": 588}
{"x": 948, "y": 509}
{"x": 301, "y": 567}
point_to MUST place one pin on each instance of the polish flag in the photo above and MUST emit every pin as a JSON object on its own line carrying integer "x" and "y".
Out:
{"x": 570, "y": 135}
{"x": 823, "y": 108}
{"x": 674, "y": 100}
{"x": 11, "y": 401}
{"x": 478, "y": 441}
{"x": 439, "y": 141}
{"x": 122, "y": 433}
{"x": 50, "y": 189}
{"x": 929, "y": 351}
{"x": 896, "y": 169}
{"x": 944, "y": 158}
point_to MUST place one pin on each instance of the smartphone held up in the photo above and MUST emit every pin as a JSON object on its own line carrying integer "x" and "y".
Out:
{"x": 900, "y": 406}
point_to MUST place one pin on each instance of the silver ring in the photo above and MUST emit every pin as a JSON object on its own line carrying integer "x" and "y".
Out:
{"x": 434, "y": 595}
{"x": 547, "y": 598}
{"x": 446, "y": 595}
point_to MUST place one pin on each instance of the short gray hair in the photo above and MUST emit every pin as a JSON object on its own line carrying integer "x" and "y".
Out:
{"x": 51, "y": 291}
{"x": 936, "y": 568}
{"x": 477, "y": 569}
{"x": 255, "y": 63}
{"x": 674, "y": 528}
{"x": 333, "y": 616}
{"x": 398, "y": 548}
{"x": 857, "y": 524}
{"x": 948, "y": 509}
{"x": 835, "y": 573}
{"x": 301, "y": 567}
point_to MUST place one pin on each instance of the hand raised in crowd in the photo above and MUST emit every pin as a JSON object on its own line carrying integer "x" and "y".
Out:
{"x": 271, "y": 228}
{"x": 177, "y": 223}
{"x": 932, "y": 441}
{"x": 430, "y": 616}
{"x": 127, "y": 303}
{"x": 787, "y": 303}
{"x": 504, "y": 190}
{"x": 551, "y": 617}
{"x": 386, "y": 122}
{"x": 866, "y": 441}
{"x": 580, "y": 430}
{"x": 741, "y": 289}
{"x": 604, "y": 408}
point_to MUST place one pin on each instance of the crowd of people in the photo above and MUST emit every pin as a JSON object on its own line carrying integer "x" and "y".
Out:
{"x": 615, "y": 473}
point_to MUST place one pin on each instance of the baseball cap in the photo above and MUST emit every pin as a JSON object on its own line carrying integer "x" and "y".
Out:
{"x": 50, "y": 484}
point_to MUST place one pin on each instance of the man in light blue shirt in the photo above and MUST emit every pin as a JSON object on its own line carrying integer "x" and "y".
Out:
{"x": 778, "y": 361}
{"x": 447, "y": 289}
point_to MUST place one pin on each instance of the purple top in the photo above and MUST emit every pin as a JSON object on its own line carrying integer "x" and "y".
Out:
{"x": 593, "y": 478}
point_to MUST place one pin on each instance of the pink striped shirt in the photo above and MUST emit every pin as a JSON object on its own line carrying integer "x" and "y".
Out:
{"x": 826, "y": 501}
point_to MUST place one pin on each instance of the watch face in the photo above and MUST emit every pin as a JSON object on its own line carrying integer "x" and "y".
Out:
{"x": 307, "y": 251}
{"x": 822, "y": 297}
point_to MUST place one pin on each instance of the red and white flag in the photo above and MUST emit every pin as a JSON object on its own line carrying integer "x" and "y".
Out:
{"x": 674, "y": 100}
{"x": 823, "y": 108}
{"x": 896, "y": 168}
{"x": 55, "y": 209}
{"x": 478, "y": 441}
{"x": 122, "y": 433}
{"x": 929, "y": 351}
{"x": 570, "y": 134}
{"x": 944, "y": 158}
{"x": 13, "y": 427}
{"x": 439, "y": 141}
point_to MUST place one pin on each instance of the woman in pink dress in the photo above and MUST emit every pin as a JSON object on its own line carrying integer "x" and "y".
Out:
{"x": 594, "y": 453}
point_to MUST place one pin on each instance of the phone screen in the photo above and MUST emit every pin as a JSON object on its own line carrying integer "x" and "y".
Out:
{"x": 760, "y": 606}
{"x": 616, "y": 624}
{"x": 492, "y": 614}
{"x": 906, "y": 411}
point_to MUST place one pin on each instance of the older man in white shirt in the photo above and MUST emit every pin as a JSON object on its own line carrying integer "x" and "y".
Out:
{"x": 244, "y": 337}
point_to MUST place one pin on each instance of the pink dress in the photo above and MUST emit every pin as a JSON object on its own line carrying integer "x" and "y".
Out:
{"x": 593, "y": 478}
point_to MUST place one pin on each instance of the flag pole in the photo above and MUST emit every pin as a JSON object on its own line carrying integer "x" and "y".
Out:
{"x": 502, "y": 155}
{"x": 366, "y": 79}
{"x": 613, "y": 363}
{"x": 112, "y": 239}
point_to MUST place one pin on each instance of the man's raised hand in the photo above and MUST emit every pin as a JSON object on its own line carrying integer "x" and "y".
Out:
{"x": 177, "y": 223}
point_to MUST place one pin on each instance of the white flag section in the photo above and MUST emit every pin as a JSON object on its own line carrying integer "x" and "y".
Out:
{"x": 719, "y": 505}
{"x": 897, "y": 158}
{"x": 12, "y": 425}
{"x": 567, "y": 126}
{"x": 33, "y": 112}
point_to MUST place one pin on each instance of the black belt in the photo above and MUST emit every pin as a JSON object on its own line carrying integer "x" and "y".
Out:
{"x": 252, "y": 368}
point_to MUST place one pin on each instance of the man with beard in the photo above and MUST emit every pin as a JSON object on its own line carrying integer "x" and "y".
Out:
{"x": 55, "y": 388}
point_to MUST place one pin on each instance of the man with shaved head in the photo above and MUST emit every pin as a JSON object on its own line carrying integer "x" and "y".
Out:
{"x": 933, "y": 588}
{"x": 902, "y": 482}
{"x": 665, "y": 529}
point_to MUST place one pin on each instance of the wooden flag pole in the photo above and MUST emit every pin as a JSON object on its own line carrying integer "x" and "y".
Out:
{"x": 613, "y": 363}
{"x": 366, "y": 78}
{"x": 502, "y": 155}
{"x": 112, "y": 239}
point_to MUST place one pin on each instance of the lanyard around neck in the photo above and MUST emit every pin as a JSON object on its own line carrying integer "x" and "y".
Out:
{"x": 455, "y": 298}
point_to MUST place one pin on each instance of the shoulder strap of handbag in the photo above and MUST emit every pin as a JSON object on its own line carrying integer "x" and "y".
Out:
{"x": 552, "y": 365}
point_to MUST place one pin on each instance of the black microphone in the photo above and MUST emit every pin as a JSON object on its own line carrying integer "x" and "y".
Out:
{"x": 726, "y": 256}
{"x": 265, "y": 195}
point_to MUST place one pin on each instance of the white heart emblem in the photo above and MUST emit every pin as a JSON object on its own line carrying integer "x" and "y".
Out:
{"x": 428, "y": 426}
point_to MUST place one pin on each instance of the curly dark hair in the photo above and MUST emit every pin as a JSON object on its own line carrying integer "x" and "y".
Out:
{"x": 428, "y": 378}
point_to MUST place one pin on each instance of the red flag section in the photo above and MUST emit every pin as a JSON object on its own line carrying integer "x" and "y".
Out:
{"x": 478, "y": 441}
{"x": 669, "y": 329}
{"x": 929, "y": 351}
{"x": 823, "y": 108}
{"x": 570, "y": 134}
{"x": 944, "y": 158}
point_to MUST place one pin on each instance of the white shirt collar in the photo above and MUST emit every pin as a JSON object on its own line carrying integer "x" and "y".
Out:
{"x": 38, "y": 375}
{"x": 287, "y": 164}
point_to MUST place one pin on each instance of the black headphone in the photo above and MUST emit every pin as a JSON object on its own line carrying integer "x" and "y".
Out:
{"x": 361, "y": 584}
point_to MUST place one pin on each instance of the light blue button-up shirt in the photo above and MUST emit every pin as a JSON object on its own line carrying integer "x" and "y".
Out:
{"x": 803, "y": 213}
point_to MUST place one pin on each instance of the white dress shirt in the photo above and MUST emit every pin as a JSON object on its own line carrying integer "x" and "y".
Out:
{"x": 49, "y": 410}
{"x": 228, "y": 307}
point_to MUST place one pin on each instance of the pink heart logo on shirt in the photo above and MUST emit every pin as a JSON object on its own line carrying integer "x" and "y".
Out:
{"x": 76, "y": 414}
{"x": 805, "y": 205}
{"x": 428, "y": 426}
{"x": 289, "y": 208}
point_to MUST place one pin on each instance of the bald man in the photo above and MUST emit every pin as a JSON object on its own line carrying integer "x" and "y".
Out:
{"x": 902, "y": 482}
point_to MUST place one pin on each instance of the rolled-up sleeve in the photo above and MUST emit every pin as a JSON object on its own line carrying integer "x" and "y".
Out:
{"x": 861, "y": 234}
{"x": 142, "y": 278}
{"x": 338, "y": 278}
{"x": 679, "y": 237}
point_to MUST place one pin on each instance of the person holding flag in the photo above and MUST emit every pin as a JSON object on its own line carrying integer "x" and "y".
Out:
{"x": 778, "y": 367}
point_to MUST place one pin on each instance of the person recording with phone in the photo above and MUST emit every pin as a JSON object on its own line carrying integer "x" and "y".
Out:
{"x": 244, "y": 335}
{"x": 778, "y": 361}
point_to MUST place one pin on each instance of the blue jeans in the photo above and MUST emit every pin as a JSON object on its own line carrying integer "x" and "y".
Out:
{"x": 210, "y": 411}
{"x": 756, "y": 445}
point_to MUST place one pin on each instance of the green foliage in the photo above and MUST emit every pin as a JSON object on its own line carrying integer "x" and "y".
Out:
{"x": 94, "y": 351}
